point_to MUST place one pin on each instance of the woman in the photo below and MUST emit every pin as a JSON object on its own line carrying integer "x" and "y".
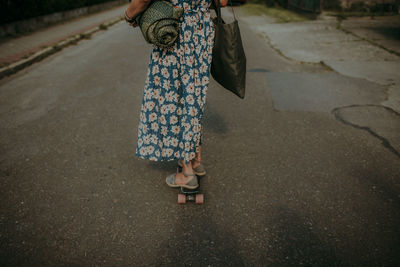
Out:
{"x": 175, "y": 92}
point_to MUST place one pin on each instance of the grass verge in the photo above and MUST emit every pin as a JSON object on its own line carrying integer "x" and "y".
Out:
{"x": 279, "y": 14}
{"x": 345, "y": 14}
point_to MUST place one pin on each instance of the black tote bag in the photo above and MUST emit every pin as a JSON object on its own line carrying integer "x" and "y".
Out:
{"x": 228, "y": 65}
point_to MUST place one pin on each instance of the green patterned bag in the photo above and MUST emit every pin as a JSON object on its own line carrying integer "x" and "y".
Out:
{"x": 159, "y": 23}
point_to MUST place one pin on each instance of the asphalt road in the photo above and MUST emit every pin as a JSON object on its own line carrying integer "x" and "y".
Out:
{"x": 285, "y": 186}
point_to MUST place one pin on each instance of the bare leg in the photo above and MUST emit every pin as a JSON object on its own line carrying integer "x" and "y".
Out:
{"x": 197, "y": 159}
{"x": 194, "y": 162}
{"x": 186, "y": 169}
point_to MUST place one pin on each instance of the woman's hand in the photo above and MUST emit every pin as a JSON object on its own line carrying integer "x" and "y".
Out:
{"x": 221, "y": 2}
{"x": 136, "y": 7}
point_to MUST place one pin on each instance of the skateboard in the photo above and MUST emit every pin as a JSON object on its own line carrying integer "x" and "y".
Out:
{"x": 190, "y": 195}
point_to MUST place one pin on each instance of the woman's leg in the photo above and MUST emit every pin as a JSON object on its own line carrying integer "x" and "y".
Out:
{"x": 187, "y": 169}
{"x": 197, "y": 159}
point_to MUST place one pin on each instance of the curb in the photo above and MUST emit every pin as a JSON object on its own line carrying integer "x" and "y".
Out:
{"x": 38, "y": 56}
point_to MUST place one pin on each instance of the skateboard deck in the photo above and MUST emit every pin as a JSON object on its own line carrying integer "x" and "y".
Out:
{"x": 191, "y": 195}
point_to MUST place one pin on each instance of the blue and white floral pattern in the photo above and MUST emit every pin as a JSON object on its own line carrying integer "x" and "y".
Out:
{"x": 175, "y": 89}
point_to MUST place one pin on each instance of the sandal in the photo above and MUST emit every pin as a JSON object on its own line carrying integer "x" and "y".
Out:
{"x": 199, "y": 170}
{"x": 192, "y": 184}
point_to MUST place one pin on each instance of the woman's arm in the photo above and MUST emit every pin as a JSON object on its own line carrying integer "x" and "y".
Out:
{"x": 136, "y": 7}
{"x": 221, "y": 2}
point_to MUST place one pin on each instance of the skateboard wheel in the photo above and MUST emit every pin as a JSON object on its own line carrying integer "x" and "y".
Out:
{"x": 199, "y": 199}
{"x": 181, "y": 199}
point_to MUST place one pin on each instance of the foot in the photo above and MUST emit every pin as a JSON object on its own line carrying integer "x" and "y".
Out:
{"x": 198, "y": 168}
{"x": 181, "y": 179}
{"x": 195, "y": 163}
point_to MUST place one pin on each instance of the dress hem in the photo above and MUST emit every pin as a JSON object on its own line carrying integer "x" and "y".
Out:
{"x": 151, "y": 158}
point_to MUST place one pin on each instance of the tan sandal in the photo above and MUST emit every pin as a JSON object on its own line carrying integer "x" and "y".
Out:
{"x": 192, "y": 184}
{"x": 199, "y": 170}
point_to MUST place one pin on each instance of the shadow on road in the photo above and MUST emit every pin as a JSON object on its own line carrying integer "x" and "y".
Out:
{"x": 294, "y": 243}
{"x": 198, "y": 241}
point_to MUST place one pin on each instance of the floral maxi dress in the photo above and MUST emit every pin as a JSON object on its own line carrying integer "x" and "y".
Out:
{"x": 175, "y": 89}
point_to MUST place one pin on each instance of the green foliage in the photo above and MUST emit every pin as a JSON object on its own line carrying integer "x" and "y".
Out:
{"x": 103, "y": 27}
{"x": 331, "y": 5}
{"x": 281, "y": 15}
{"x": 14, "y": 10}
{"x": 85, "y": 36}
{"x": 270, "y": 3}
{"x": 308, "y": 5}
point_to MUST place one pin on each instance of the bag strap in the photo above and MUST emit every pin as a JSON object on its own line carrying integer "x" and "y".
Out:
{"x": 217, "y": 9}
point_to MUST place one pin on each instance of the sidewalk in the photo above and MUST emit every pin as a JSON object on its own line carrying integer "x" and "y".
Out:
{"x": 16, "y": 49}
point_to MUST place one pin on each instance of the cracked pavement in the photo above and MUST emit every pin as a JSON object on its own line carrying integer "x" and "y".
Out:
{"x": 363, "y": 54}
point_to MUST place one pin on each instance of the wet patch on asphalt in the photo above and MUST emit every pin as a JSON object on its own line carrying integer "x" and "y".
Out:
{"x": 321, "y": 92}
